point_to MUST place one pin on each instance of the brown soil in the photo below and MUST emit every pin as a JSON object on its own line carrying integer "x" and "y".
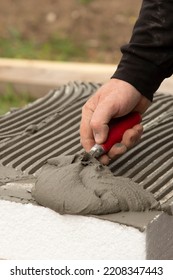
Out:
{"x": 103, "y": 26}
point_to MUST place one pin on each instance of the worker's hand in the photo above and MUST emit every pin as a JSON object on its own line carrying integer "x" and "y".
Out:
{"x": 114, "y": 99}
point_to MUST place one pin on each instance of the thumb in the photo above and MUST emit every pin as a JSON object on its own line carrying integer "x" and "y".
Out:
{"x": 103, "y": 113}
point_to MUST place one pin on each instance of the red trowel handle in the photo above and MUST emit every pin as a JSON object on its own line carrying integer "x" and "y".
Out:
{"x": 117, "y": 128}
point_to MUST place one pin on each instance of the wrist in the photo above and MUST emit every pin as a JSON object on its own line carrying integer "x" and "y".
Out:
{"x": 121, "y": 84}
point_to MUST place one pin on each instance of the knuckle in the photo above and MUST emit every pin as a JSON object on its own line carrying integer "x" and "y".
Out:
{"x": 87, "y": 107}
{"x": 94, "y": 124}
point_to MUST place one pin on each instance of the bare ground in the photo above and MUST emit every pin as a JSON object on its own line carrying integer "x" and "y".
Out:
{"x": 103, "y": 26}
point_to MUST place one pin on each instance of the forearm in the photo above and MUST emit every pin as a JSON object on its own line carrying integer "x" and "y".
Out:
{"x": 148, "y": 58}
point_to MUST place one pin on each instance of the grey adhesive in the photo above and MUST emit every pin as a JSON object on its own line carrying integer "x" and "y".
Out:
{"x": 70, "y": 185}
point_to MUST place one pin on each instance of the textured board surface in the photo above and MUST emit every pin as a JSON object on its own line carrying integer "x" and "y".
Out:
{"x": 50, "y": 126}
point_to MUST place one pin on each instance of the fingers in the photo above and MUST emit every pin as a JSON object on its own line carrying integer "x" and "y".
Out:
{"x": 117, "y": 150}
{"x": 96, "y": 114}
{"x": 105, "y": 159}
{"x": 86, "y": 132}
{"x": 100, "y": 119}
{"x": 86, "y": 136}
{"x": 130, "y": 138}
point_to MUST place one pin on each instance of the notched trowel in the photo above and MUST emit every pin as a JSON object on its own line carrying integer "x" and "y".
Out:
{"x": 117, "y": 127}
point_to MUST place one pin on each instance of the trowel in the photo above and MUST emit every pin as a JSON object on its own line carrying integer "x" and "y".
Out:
{"x": 117, "y": 127}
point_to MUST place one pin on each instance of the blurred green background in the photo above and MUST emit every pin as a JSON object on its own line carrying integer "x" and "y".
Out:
{"x": 68, "y": 30}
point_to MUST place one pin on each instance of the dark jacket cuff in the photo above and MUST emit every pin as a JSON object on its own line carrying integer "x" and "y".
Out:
{"x": 142, "y": 74}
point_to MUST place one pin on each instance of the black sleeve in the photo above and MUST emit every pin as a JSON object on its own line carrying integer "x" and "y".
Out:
{"x": 148, "y": 58}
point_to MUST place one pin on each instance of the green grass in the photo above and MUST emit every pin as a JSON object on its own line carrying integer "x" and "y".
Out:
{"x": 60, "y": 48}
{"x": 11, "y": 99}
{"x": 56, "y": 48}
{"x": 16, "y": 46}
{"x": 85, "y": 1}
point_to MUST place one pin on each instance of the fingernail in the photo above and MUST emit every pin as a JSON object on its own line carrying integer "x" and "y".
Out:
{"x": 132, "y": 138}
{"x": 139, "y": 130}
{"x": 97, "y": 137}
{"x": 118, "y": 145}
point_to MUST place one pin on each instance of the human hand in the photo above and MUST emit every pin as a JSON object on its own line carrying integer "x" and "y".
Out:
{"x": 114, "y": 99}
